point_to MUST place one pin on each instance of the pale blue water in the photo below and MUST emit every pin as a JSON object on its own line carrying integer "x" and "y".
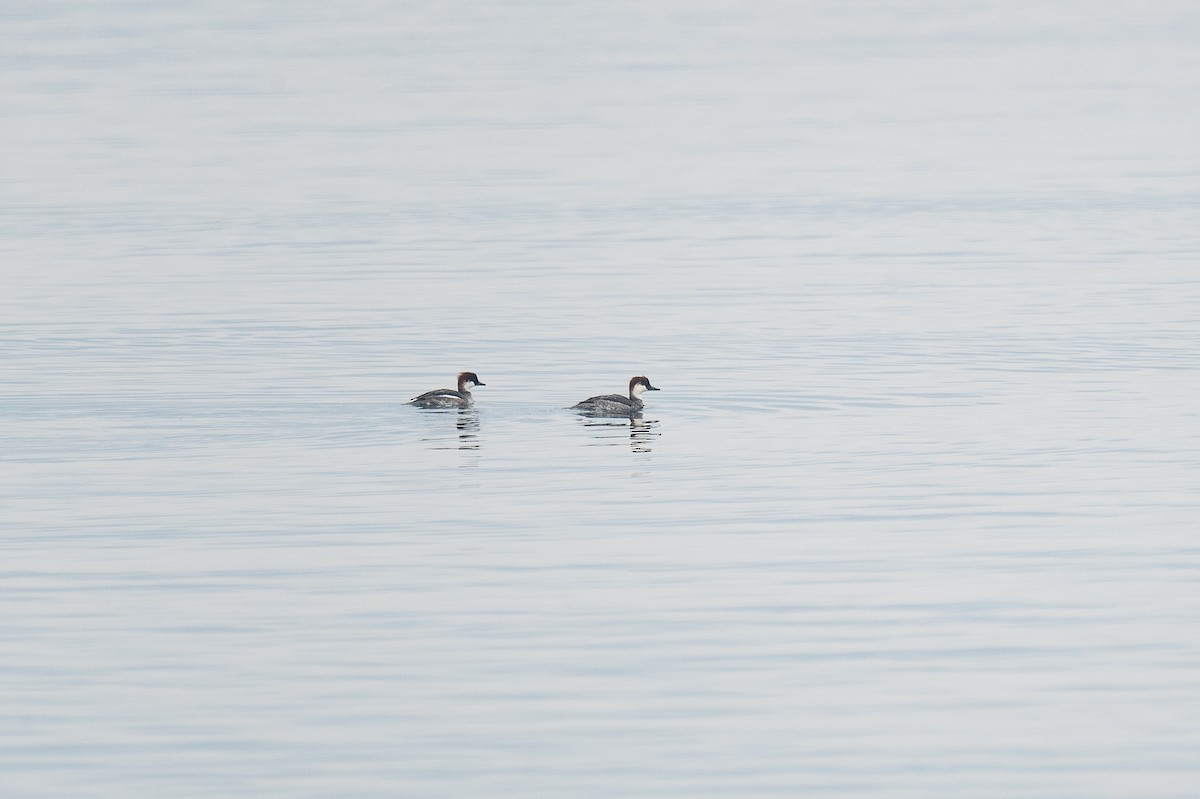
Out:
{"x": 914, "y": 514}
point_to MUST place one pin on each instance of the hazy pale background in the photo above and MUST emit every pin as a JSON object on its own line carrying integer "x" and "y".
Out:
{"x": 915, "y": 513}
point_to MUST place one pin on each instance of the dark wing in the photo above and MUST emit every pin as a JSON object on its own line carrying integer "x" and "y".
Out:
{"x": 605, "y": 398}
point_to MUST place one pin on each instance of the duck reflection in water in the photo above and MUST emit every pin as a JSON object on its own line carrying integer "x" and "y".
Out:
{"x": 468, "y": 429}
{"x": 611, "y": 430}
{"x": 466, "y": 423}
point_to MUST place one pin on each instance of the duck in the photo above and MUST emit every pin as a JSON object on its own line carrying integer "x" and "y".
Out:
{"x": 448, "y": 397}
{"x": 616, "y": 404}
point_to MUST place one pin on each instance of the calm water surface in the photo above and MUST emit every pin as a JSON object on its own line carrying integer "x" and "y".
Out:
{"x": 914, "y": 514}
